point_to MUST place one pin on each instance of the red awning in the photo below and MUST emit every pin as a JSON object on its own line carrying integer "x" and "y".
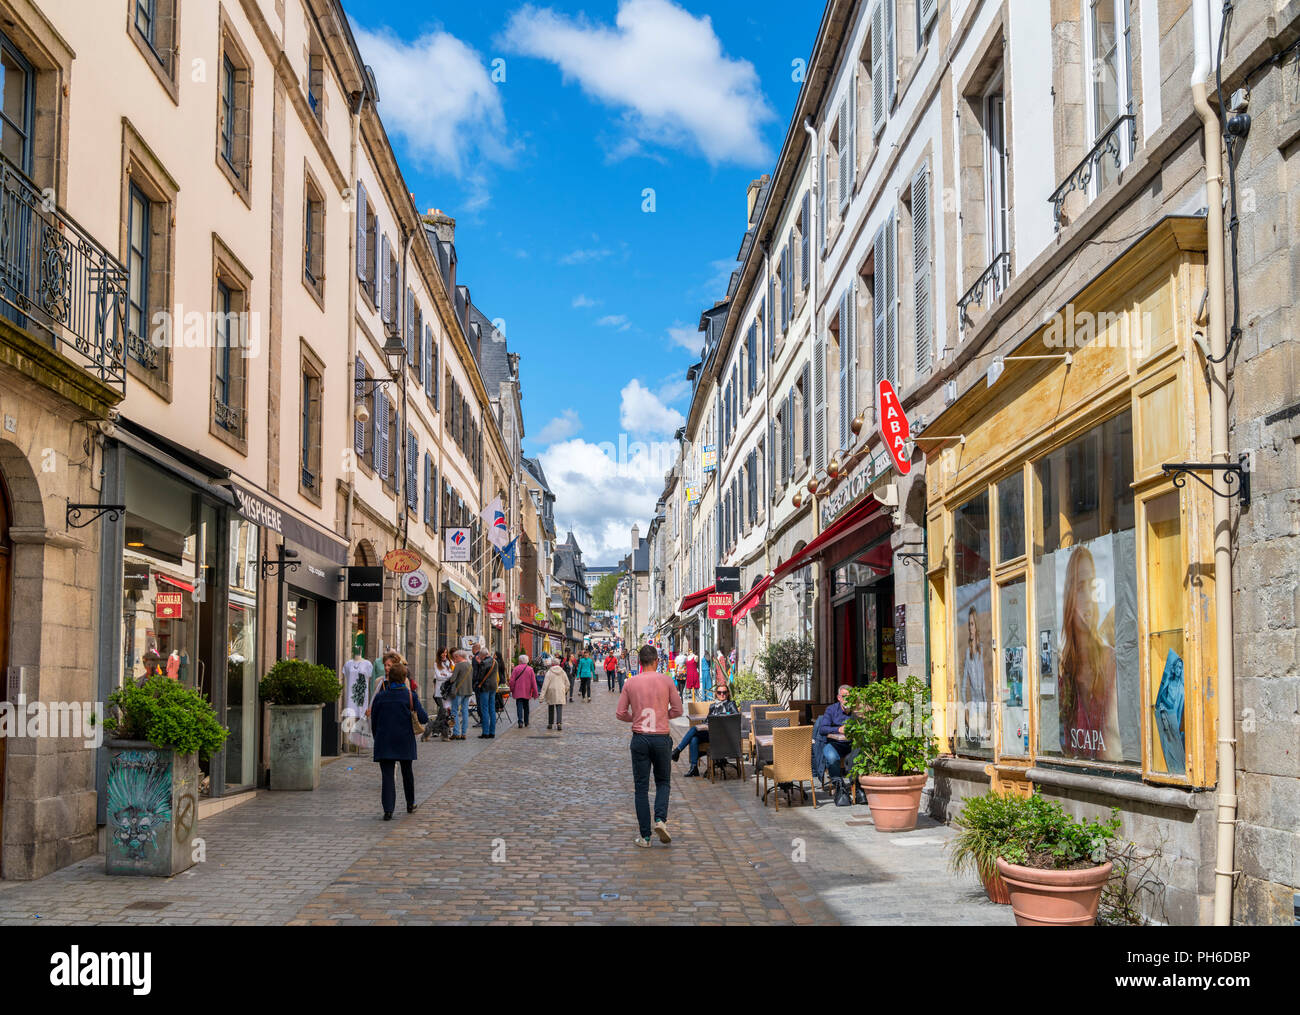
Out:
{"x": 174, "y": 582}
{"x": 751, "y": 598}
{"x": 693, "y": 600}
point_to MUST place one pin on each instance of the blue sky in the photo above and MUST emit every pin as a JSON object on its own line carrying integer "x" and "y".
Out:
{"x": 547, "y": 131}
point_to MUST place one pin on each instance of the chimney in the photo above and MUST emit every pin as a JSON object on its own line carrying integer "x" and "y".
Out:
{"x": 752, "y": 192}
{"x": 636, "y": 536}
{"x": 444, "y": 225}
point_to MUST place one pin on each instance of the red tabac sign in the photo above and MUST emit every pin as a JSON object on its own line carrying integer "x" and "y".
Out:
{"x": 720, "y": 606}
{"x": 894, "y": 430}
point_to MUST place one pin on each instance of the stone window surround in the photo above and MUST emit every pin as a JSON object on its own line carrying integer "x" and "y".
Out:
{"x": 971, "y": 94}
{"x": 167, "y": 76}
{"x": 229, "y": 270}
{"x": 312, "y": 190}
{"x": 142, "y": 167}
{"x": 906, "y": 278}
{"x": 51, "y": 59}
{"x": 310, "y": 362}
{"x": 229, "y": 44}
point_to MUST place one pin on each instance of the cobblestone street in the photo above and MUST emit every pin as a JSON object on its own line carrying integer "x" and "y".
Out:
{"x": 531, "y": 828}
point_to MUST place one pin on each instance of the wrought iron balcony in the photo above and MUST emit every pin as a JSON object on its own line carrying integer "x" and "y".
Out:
{"x": 58, "y": 283}
{"x": 996, "y": 277}
{"x": 1109, "y": 145}
{"x": 229, "y": 418}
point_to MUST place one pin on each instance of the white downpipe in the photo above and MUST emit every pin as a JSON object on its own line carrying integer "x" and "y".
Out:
{"x": 1216, "y": 281}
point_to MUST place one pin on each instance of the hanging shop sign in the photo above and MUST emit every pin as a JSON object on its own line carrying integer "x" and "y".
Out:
{"x": 365, "y": 584}
{"x": 260, "y": 511}
{"x": 414, "y": 583}
{"x": 720, "y": 606}
{"x": 402, "y": 561}
{"x": 167, "y": 605}
{"x": 709, "y": 458}
{"x": 692, "y": 494}
{"x": 856, "y": 486}
{"x": 727, "y": 579}
{"x": 457, "y": 550}
{"x": 894, "y": 430}
{"x": 496, "y": 603}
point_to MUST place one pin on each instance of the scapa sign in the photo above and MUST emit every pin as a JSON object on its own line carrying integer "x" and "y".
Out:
{"x": 894, "y": 430}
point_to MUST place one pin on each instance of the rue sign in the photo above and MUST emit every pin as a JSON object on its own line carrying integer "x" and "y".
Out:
{"x": 894, "y": 430}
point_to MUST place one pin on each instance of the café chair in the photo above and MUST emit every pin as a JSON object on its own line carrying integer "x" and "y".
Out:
{"x": 791, "y": 763}
{"x": 763, "y": 727}
{"x": 756, "y": 712}
{"x": 725, "y": 745}
{"x": 697, "y": 708}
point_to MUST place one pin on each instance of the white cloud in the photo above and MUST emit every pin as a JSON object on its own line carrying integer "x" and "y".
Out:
{"x": 437, "y": 94}
{"x": 663, "y": 68}
{"x": 562, "y": 427}
{"x": 601, "y": 491}
{"x": 674, "y": 389}
{"x": 581, "y": 301}
{"x": 642, "y": 412}
{"x": 686, "y": 337}
{"x": 585, "y": 256}
{"x": 618, "y": 321}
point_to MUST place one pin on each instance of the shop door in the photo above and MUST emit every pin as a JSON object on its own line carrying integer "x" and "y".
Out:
{"x": 6, "y": 557}
{"x": 844, "y": 637}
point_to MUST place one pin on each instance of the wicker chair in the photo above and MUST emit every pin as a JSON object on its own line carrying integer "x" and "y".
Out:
{"x": 725, "y": 744}
{"x": 764, "y": 726}
{"x": 756, "y": 712}
{"x": 791, "y": 762}
{"x": 697, "y": 708}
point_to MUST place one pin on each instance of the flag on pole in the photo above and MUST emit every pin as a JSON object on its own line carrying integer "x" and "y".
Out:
{"x": 508, "y": 554}
{"x": 498, "y": 532}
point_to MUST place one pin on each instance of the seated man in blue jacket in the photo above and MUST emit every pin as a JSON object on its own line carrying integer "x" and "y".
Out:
{"x": 829, "y": 736}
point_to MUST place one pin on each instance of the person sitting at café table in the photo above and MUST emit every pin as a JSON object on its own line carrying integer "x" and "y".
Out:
{"x": 722, "y": 705}
{"x": 829, "y": 733}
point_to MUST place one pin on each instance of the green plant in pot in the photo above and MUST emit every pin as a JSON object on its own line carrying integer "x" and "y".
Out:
{"x": 296, "y": 691}
{"x": 785, "y": 663}
{"x": 985, "y": 828}
{"x": 890, "y": 730}
{"x": 1054, "y": 864}
{"x": 160, "y": 730}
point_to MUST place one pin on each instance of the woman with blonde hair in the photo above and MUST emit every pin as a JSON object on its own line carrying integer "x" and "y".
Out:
{"x": 1088, "y": 710}
{"x": 974, "y": 693}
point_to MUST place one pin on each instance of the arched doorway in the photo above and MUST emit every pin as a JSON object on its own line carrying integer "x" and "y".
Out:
{"x": 6, "y": 573}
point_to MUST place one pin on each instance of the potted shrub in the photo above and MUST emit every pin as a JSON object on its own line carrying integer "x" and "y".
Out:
{"x": 1055, "y": 865}
{"x": 161, "y": 729}
{"x": 785, "y": 664}
{"x": 890, "y": 729}
{"x": 985, "y": 827}
{"x": 297, "y": 691}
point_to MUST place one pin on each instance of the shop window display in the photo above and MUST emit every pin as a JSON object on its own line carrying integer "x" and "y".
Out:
{"x": 973, "y": 627}
{"x": 1085, "y": 559}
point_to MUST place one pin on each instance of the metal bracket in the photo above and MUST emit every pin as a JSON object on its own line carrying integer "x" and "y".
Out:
{"x": 370, "y": 384}
{"x": 270, "y": 566}
{"x": 912, "y": 559}
{"x": 72, "y": 515}
{"x": 1236, "y": 476}
{"x": 403, "y": 604}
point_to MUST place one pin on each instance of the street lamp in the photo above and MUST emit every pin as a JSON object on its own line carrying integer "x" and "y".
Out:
{"x": 394, "y": 353}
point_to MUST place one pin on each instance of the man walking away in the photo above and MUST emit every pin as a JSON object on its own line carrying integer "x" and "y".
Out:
{"x": 648, "y": 701}
{"x": 462, "y": 686}
{"x": 485, "y": 687}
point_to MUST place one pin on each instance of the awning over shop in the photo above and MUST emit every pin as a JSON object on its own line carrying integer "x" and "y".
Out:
{"x": 456, "y": 590}
{"x": 693, "y": 600}
{"x": 857, "y": 518}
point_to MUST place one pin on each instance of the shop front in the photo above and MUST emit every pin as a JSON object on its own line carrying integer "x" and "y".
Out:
{"x": 1071, "y": 576}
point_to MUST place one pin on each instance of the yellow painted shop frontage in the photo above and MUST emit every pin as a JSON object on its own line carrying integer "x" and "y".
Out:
{"x": 1071, "y": 581}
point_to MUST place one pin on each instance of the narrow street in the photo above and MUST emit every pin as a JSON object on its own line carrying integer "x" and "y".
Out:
{"x": 531, "y": 828}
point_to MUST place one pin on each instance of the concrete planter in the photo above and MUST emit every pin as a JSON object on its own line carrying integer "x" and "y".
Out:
{"x": 152, "y": 809}
{"x": 295, "y": 747}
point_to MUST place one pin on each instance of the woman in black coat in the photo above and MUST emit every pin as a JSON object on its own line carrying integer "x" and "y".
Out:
{"x": 390, "y": 724}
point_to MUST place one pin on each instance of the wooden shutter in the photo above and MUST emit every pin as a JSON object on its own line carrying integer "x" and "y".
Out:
{"x": 412, "y": 468}
{"x": 381, "y": 434}
{"x": 437, "y": 379}
{"x": 819, "y": 401}
{"x": 430, "y": 378}
{"x": 891, "y": 306}
{"x": 921, "y": 278}
{"x": 878, "y": 301}
{"x": 805, "y": 241}
{"x": 434, "y": 507}
{"x": 821, "y": 200}
{"x": 846, "y": 162}
{"x": 408, "y": 325}
{"x": 358, "y": 393}
{"x": 788, "y": 284}
{"x": 806, "y": 428}
{"x": 242, "y": 114}
{"x": 878, "y": 89}
{"x": 846, "y": 357}
{"x": 928, "y": 9}
{"x": 385, "y": 283}
{"x": 428, "y": 479}
{"x": 891, "y": 52}
{"x": 362, "y": 260}
{"x": 318, "y": 241}
{"x": 771, "y": 460}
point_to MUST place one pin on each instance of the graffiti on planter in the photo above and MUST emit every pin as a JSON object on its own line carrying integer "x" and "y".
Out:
{"x": 139, "y": 801}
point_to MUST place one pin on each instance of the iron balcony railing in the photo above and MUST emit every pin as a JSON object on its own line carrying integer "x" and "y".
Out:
{"x": 1109, "y": 144}
{"x": 57, "y": 282}
{"x": 995, "y": 279}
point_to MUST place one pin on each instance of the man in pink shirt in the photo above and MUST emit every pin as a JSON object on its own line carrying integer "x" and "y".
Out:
{"x": 648, "y": 701}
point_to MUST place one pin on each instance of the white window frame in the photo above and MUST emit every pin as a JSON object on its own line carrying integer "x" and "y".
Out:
{"x": 1124, "y": 80}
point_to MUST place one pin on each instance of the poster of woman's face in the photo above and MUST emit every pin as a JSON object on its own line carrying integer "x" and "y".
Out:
{"x": 975, "y": 673}
{"x": 1087, "y": 700}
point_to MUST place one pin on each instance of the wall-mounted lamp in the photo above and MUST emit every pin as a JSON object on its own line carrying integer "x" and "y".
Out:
{"x": 999, "y": 364}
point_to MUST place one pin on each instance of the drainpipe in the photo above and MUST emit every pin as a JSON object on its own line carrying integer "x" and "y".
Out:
{"x": 355, "y": 122}
{"x": 1217, "y": 285}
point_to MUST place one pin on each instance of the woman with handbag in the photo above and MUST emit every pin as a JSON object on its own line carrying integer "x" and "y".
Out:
{"x": 396, "y": 718}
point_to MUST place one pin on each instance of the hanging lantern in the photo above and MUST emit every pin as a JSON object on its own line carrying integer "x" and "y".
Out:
{"x": 859, "y": 421}
{"x": 835, "y": 468}
{"x": 814, "y": 485}
{"x": 798, "y": 499}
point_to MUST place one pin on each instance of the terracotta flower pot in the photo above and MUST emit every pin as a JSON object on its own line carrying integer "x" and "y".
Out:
{"x": 996, "y": 889}
{"x": 1052, "y": 898}
{"x": 895, "y": 800}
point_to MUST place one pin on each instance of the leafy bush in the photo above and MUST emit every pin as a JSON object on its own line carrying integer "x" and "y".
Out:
{"x": 747, "y": 686}
{"x": 298, "y": 682}
{"x": 986, "y": 825}
{"x": 1046, "y": 837}
{"x": 784, "y": 664}
{"x": 890, "y": 728}
{"x": 167, "y": 714}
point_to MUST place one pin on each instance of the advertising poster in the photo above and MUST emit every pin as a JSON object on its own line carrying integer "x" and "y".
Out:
{"x": 974, "y": 653}
{"x": 1092, "y": 639}
{"x": 457, "y": 551}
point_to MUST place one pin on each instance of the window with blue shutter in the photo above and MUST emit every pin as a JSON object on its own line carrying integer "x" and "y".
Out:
{"x": 428, "y": 487}
{"x": 428, "y": 362}
{"x": 359, "y": 394}
{"x": 386, "y": 282}
{"x": 412, "y": 470}
{"x": 381, "y": 434}
{"x": 362, "y": 259}
{"x": 805, "y": 240}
